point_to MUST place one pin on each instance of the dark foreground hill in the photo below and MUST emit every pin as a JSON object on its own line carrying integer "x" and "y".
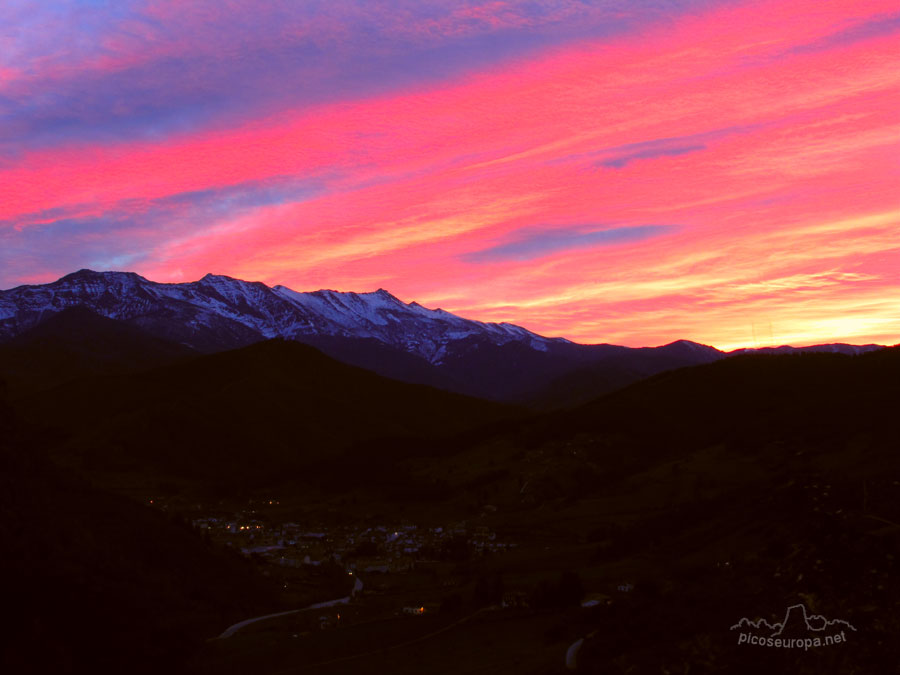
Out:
{"x": 251, "y": 417}
{"x": 712, "y": 493}
{"x": 97, "y": 583}
{"x": 77, "y": 343}
{"x": 817, "y": 403}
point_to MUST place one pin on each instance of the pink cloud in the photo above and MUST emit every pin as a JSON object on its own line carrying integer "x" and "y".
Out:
{"x": 774, "y": 170}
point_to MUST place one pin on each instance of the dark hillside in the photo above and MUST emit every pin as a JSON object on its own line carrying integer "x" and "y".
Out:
{"x": 97, "y": 583}
{"x": 823, "y": 401}
{"x": 250, "y": 417}
{"x": 733, "y": 489}
{"x": 75, "y": 343}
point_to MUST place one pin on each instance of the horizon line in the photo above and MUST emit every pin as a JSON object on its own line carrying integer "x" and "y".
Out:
{"x": 729, "y": 349}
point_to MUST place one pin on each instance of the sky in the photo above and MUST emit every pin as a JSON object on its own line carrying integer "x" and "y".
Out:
{"x": 621, "y": 171}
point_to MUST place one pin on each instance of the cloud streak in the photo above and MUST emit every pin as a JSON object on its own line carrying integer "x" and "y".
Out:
{"x": 877, "y": 27}
{"x": 625, "y": 159}
{"x": 151, "y": 70}
{"x": 530, "y": 243}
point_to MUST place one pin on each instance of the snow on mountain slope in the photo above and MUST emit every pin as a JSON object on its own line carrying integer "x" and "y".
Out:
{"x": 204, "y": 313}
{"x": 411, "y": 327}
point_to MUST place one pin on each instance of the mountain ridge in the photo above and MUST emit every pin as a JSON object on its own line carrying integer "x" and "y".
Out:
{"x": 373, "y": 330}
{"x": 253, "y": 416}
{"x": 217, "y": 283}
{"x": 253, "y": 311}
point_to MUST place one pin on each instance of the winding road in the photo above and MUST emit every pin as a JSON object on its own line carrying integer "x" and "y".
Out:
{"x": 231, "y": 630}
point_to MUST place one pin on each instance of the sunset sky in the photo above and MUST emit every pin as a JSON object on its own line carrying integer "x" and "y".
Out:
{"x": 624, "y": 171}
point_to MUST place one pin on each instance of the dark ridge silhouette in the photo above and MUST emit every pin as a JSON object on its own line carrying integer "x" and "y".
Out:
{"x": 387, "y": 361}
{"x": 744, "y": 401}
{"x": 563, "y": 375}
{"x": 606, "y": 368}
{"x": 244, "y": 418}
{"x": 375, "y": 331}
{"x": 98, "y": 583}
{"x": 751, "y": 484}
{"x": 77, "y": 342}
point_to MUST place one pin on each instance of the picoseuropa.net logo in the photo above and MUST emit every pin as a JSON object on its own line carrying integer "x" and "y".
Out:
{"x": 798, "y": 630}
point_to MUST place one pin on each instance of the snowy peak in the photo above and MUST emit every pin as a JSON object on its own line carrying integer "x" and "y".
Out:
{"x": 408, "y": 326}
{"x": 90, "y": 281}
{"x": 209, "y": 277}
{"x": 85, "y": 274}
{"x": 375, "y": 330}
{"x": 221, "y": 312}
{"x": 384, "y": 295}
{"x": 240, "y": 310}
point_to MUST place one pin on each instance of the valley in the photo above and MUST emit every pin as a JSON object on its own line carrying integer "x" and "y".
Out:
{"x": 431, "y": 530}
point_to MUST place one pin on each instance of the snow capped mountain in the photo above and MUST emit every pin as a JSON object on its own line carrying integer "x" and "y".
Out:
{"x": 220, "y": 312}
{"x": 411, "y": 327}
{"x": 375, "y": 331}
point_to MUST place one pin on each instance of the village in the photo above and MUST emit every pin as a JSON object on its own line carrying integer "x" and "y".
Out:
{"x": 380, "y": 548}
{"x": 374, "y": 586}
{"x": 407, "y": 567}
{"x": 384, "y": 580}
